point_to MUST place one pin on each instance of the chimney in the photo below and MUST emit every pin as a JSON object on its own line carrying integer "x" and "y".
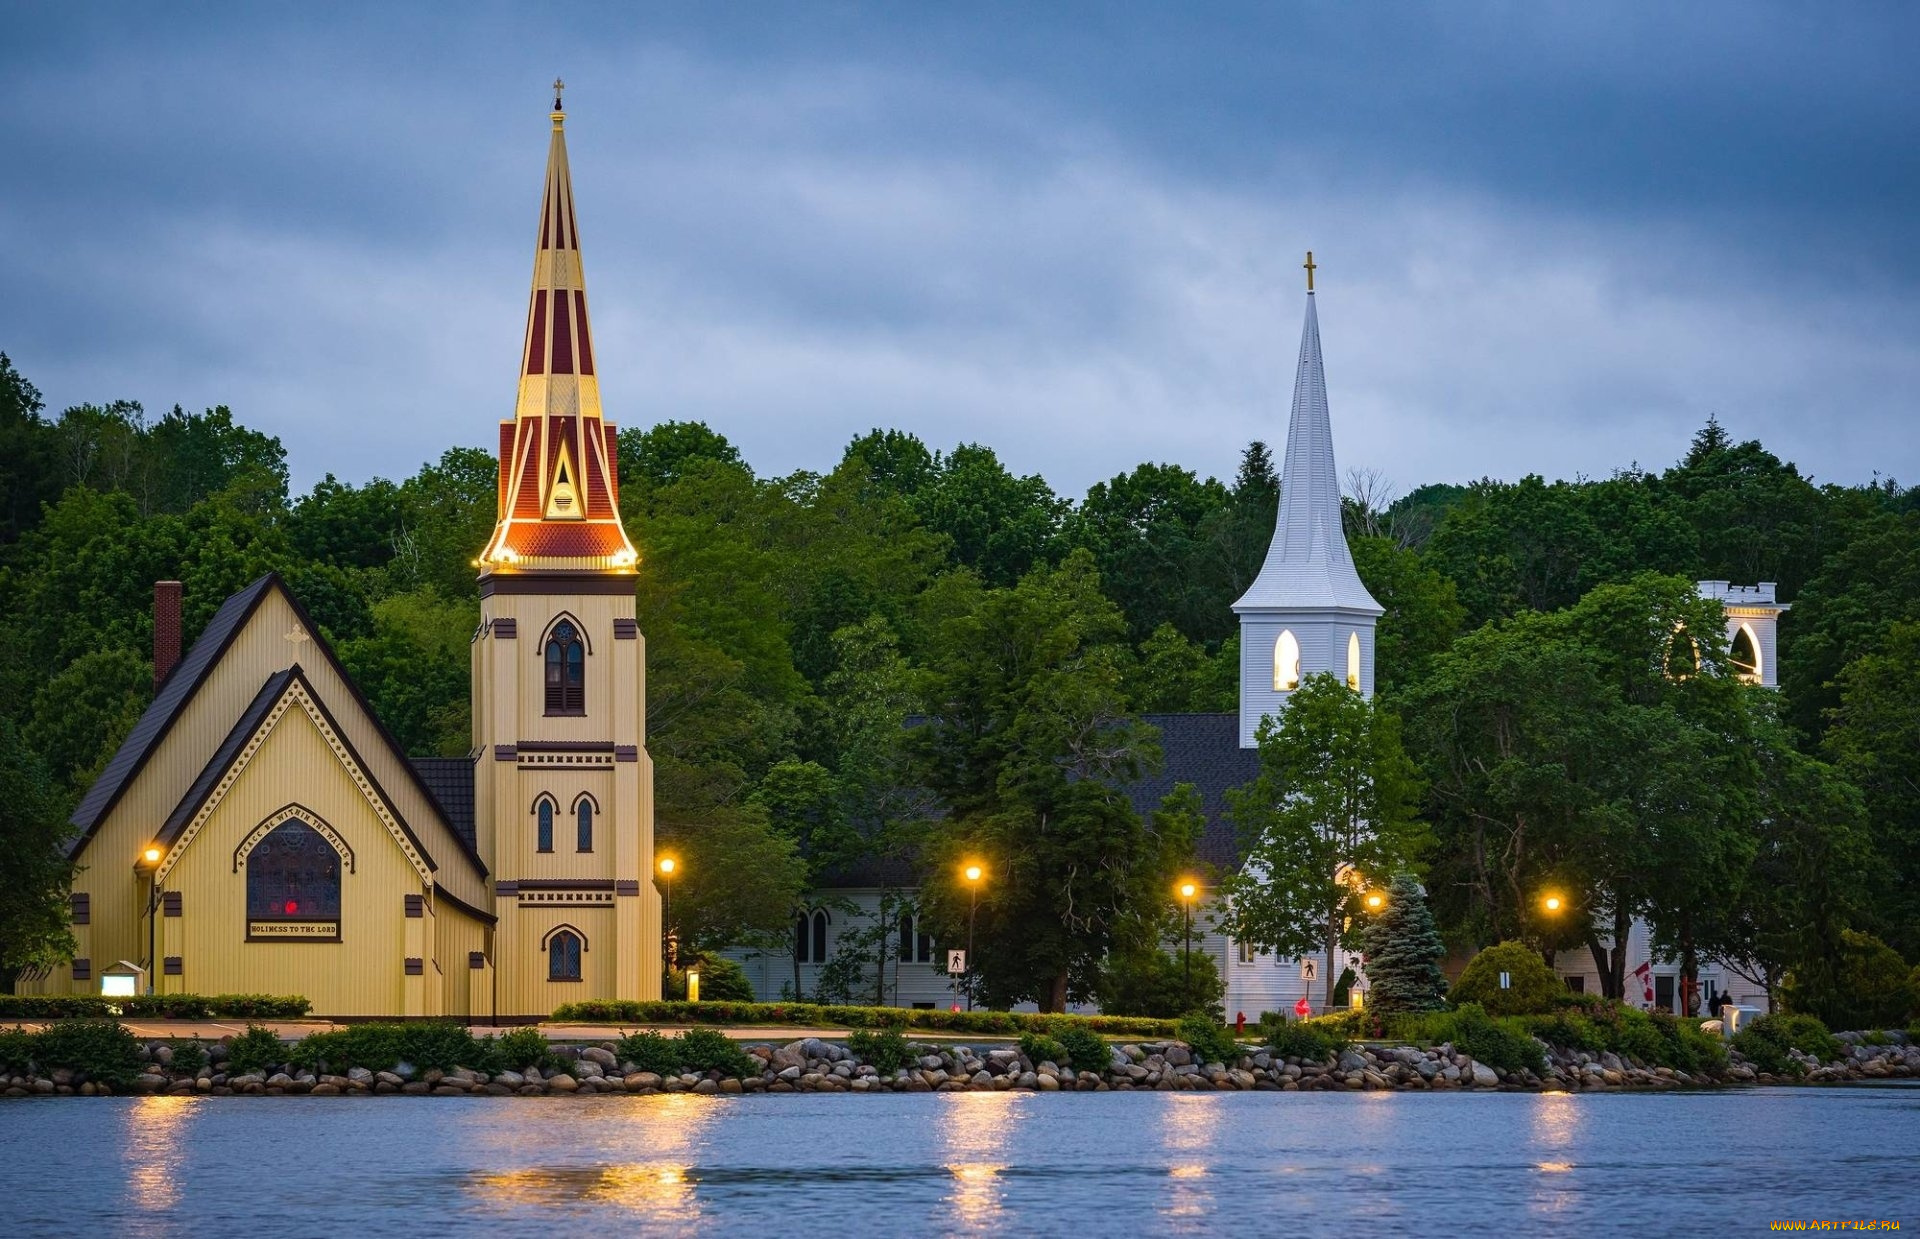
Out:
{"x": 166, "y": 630}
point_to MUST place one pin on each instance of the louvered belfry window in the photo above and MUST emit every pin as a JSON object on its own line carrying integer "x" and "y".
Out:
{"x": 566, "y": 670}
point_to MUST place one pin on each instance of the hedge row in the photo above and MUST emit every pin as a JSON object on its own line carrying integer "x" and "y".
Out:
{"x": 153, "y": 1006}
{"x": 816, "y": 1015}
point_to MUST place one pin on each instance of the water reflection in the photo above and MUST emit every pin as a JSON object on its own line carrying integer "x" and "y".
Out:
{"x": 661, "y": 1184}
{"x": 1189, "y": 1135}
{"x": 975, "y": 1128}
{"x": 1556, "y": 1120}
{"x": 156, "y": 1150}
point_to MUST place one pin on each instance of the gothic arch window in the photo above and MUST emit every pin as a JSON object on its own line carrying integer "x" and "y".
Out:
{"x": 543, "y": 831}
{"x": 1286, "y": 662}
{"x": 1353, "y": 661}
{"x": 293, "y": 875}
{"x": 915, "y": 947}
{"x": 1744, "y": 653}
{"x": 564, "y": 947}
{"x": 583, "y": 811}
{"x": 810, "y": 937}
{"x": 566, "y": 669}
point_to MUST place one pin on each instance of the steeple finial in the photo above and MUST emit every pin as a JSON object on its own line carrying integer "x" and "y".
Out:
{"x": 559, "y": 86}
{"x": 1308, "y": 264}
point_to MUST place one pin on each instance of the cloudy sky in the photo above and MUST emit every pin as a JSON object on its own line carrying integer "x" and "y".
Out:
{"x": 1551, "y": 239}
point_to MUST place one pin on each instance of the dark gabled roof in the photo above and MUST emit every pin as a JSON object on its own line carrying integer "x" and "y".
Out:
{"x": 224, "y": 756}
{"x": 1201, "y": 749}
{"x": 175, "y": 691}
{"x": 449, "y": 781}
{"x": 1204, "y": 750}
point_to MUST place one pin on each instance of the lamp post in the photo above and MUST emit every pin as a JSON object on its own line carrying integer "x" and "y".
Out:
{"x": 1188, "y": 890}
{"x": 667, "y": 865}
{"x": 973, "y": 874}
{"x": 151, "y": 859}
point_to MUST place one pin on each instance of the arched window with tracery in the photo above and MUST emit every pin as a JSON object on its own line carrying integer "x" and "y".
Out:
{"x": 543, "y": 830}
{"x": 583, "y": 825}
{"x": 1286, "y": 662}
{"x": 566, "y": 673}
{"x": 810, "y": 937}
{"x": 915, "y": 947}
{"x": 563, "y": 956}
{"x": 293, "y": 875}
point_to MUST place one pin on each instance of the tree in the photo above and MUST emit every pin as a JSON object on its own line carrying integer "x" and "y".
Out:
{"x": 737, "y": 881}
{"x": 662, "y": 454}
{"x": 1423, "y": 612}
{"x": 1148, "y": 533}
{"x": 28, "y": 476}
{"x": 1404, "y": 951}
{"x": 1869, "y": 986}
{"x": 416, "y": 672}
{"x": 1873, "y": 737}
{"x": 81, "y": 715}
{"x": 1029, "y": 744}
{"x": 35, "y": 875}
{"x": 1331, "y": 809}
{"x": 1531, "y": 986}
{"x": 1000, "y": 525}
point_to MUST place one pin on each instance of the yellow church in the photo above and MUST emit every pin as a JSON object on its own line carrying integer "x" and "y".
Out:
{"x": 261, "y": 832}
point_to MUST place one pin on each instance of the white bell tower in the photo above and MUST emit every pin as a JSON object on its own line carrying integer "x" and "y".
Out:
{"x": 1307, "y": 611}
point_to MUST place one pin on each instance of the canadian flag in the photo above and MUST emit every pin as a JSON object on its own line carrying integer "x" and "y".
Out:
{"x": 1645, "y": 975}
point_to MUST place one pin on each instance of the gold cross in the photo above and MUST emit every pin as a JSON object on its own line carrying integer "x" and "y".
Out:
{"x": 558, "y": 86}
{"x": 1309, "y": 265}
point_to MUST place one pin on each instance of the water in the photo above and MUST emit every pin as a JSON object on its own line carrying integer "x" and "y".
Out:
{"x": 1092, "y": 1164}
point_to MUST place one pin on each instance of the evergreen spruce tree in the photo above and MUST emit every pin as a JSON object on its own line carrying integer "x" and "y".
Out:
{"x": 1403, "y": 952}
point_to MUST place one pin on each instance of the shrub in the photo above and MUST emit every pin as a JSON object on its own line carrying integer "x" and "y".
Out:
{"x": 708, "y": 1049}
{"x": 1040, "y": 1048}
{"x": 255, "y": 1050}
{"x": 152, "y": 1006}
{"x": 885, "y": 1051}
{"x": 1210, "y": 1042}
{"x": 188, "y": 1055}
{"x": 1303, "y": 1041}
{"x": 518, "y": 1050}
{"x": 101, "y": 1050}
{"x": 1159, "y": 984}
{"x": 1497, "y": 1044}
{"x": 1534, "y": 988}
{"x": 1086, "y": 1050}
{"x": 649, "y": 1051}
{"x": 1872, "y": 987}
{"x": 815, "y": 1015}
{"x": 16, "y": 1050}
{"x": 1809, "y": 1036}
{"x": 1764, "y": 1044}
{"x": 721, "y": 980}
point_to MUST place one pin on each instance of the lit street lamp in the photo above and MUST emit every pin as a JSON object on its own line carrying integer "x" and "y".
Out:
{"x": 1188, "y": 890}
{"x": 973, "y": 873}
{"x": 151, "y": 859}
{"x": 667, "y": 865}
{"x": 1553, "y": 904}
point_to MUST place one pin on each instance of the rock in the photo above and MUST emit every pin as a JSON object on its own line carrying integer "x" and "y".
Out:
{"x": 444, "y": 1089}
{"x": 563, "y": 1083}
{"x": 417, "y": 1088}
{"x": 1350, "y": 1061}
{"x": 642, "y": 1081}
{"x": 706, "y": 1086}
{"x": 1483, "y": 1076}
{"x": 532, "y": 1090}
{"x": 588, "y": 1069}
{"x": 434, "y": 1075}
{"x": 789, "y": 1074}
{"x": 512, "y": 1079}
{"x": 1179, "y": 1055}
{"x": 388, "y": 1077}
{"x": 983, "y": 1079}
{"x": 148, "y": 1082}
{"x": 359, "y": 1075}
{"x": 732, "y": 1085}
{"x": 1048, "y": 1083}
{"x": 786, "y": 1056}
{"x": 595, "y": 1054}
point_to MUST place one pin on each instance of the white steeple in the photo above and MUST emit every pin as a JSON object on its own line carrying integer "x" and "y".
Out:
{"x": 1307, "y": 610}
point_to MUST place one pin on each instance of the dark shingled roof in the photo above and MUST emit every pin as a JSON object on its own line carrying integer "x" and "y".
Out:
{"x": 449, "y": 781}
{"x": 175, "y": 692}
{"x": 1201, "y": 749}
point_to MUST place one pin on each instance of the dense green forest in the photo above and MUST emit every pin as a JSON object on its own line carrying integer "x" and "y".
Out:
{"x": 1525, "y": 667}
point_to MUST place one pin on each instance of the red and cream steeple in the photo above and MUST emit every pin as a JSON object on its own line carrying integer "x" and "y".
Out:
{"x": 559, "y": 497}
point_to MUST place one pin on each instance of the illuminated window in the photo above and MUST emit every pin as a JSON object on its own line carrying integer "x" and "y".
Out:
{"x": 1745, "y": 655}
{"x": 583, "y": 817}
{"x": 1353, "y": 661}
{"x": 293, "y": 875}
{"x": 1286, "y": 663}
{"x": 543, "y": 838}
{"x": 566, "y": 670}
{"x": 563, "y": 956}
{"x": 1246, "y": 952}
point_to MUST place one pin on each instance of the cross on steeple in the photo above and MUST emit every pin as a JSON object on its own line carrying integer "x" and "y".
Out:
{"x": 1308, "y": 264}
{"x": 559, "y": 86}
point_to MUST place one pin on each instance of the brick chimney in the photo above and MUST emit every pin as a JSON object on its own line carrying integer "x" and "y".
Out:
{"x": 166, "y": 629}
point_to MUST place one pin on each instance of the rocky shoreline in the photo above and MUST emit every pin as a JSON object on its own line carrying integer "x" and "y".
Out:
{"x": 816, "y": 1065}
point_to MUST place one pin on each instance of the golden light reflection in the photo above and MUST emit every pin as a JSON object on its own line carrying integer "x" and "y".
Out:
{"x": 1188, "y": 1133}
{"x": 976, "y": 1130}
{"x": 156, "y": 1148}
{"x": 661, "y": 1191}
{"x": 1556, "y": 1127}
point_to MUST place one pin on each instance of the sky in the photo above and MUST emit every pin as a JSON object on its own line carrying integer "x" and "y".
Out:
{"x": 1550, "y": 238}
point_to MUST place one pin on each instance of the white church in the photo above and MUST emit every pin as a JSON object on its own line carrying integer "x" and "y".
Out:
{"x": 1306, "y": 612}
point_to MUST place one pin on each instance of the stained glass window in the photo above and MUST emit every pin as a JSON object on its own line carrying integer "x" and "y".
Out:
{"x": 563, "y": 957}
{"x": 293, "y": 875}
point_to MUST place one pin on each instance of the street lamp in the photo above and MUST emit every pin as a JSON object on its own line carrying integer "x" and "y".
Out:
{"x": 151, "y": 859}
{"x": 1375, "y": 901}
{"x": 667, "y": 865}
{"x": 1552, "y": 903}
{"x": 1188, "y": 889}
{"x": 972, "y": 873}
